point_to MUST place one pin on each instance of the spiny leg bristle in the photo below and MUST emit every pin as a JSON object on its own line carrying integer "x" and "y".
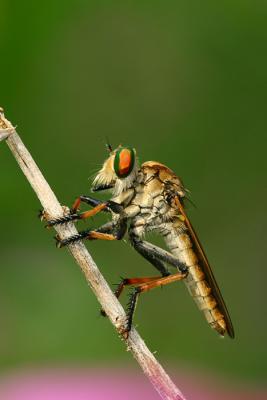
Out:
{"x": 72, "y": 239}
{"x": 61, "y": 220}
{"x": 64, "y": 242}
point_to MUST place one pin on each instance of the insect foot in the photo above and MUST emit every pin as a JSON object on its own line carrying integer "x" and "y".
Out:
{"x": 124, "y": 330}
{"x": 43, "y": 215}
{"x": 102, "y": 313}
{"x": 65, "y": 242}
{"x": 58, "y": 242}
{"x": 125, "y": 333}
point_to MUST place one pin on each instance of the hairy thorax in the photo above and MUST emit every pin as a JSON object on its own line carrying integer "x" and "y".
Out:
{"x": 148, "y": 202}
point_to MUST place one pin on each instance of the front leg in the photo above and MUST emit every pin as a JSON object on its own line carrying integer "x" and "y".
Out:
{"x": 111, "y": 205}
{"x": 98, "y": 206}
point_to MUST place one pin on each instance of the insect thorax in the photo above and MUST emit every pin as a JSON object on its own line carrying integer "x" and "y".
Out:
{"x": 148, "y": 203}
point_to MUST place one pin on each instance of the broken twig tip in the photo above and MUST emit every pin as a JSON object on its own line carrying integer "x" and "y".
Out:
{"x": 6, "y": 128}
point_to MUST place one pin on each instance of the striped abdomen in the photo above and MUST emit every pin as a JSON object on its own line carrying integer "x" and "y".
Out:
{"x": 197, "y": 281}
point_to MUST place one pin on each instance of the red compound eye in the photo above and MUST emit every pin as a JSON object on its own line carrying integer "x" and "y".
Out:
{"x": 124, "y": 162}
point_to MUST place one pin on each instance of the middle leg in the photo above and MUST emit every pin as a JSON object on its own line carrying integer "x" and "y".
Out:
{"x": 109, "y": 231}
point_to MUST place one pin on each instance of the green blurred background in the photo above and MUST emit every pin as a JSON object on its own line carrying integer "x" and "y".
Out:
{"x": 185, "y": 84}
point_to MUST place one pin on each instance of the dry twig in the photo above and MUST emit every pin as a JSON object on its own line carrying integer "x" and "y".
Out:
{"x": 151, "y": 367}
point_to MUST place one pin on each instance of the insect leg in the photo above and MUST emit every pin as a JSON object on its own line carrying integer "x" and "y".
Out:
{"x": 129, "y": 282}
{"x": 153, "y": 252}
{"x": 118, "y": 228}
{"x": 145, "y": 287}
{"x": 84, "y": 199}
{"x": 156, "y": 262}
{"x": 108, "y": 231}
{"x": 111, "y": 205}
{"x": 151, "y": 257}
{"x": 84, "y": 235}
{"x": 74, "y": 216}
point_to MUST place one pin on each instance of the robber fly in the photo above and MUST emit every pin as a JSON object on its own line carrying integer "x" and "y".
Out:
{"x": 150, "y": 198}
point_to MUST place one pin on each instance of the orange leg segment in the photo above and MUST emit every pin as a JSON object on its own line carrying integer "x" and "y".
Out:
{"x": 161, "y": 282}
{"x": 100, "y": 236}
{"x": 94, "y": 211}
{"x": 130, "y": 282}
{"x": 133, "y": 282}
{"x": 77, "y": 216}
{"x": 89, "y": 235}
{"x": 143, "y": 285}
{"x": 76, "y": 205}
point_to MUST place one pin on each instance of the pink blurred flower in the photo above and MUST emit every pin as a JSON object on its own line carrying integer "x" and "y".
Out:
{"x": 111, "y": 384}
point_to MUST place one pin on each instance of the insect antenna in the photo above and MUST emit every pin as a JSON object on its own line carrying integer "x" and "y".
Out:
{"x": 108, "y": 145}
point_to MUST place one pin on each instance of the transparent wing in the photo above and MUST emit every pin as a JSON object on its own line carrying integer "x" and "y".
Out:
{"x": 206, "y": 269}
